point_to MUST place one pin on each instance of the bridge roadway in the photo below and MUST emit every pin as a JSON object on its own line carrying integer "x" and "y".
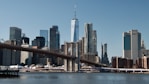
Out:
{"x": 12, "y": 47}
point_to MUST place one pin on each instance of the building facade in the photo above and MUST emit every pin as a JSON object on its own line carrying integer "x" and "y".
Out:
{"x": 132, "y": 45}
{"x": 44, "y": 33}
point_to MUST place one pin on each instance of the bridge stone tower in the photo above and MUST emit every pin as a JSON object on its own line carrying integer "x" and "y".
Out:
{"x": 71, "y": 49}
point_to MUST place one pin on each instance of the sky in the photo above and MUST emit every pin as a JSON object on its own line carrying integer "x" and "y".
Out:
{"x": 110, "y": 18}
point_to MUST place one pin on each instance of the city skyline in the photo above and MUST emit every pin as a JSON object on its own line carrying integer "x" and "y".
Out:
{"x": 109, "y": 18}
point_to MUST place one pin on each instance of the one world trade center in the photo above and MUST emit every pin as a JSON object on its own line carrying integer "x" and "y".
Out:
{"x": 74, "y": 29}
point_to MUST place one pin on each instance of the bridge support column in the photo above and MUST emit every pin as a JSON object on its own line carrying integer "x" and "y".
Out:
{"x": 74, "y": 66}
{"x": 76, "y": 62}
{"x": 68, "y": 65}
{"x": 65, "y": 65}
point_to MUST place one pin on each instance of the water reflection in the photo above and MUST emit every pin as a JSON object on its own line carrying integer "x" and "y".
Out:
{"x": 78, "y": 78}
{"x": 53, "y": 77}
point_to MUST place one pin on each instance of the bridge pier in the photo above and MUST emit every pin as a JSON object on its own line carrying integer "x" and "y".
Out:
{"x": 72, "y": 49}
{"x": 70, "y": 65}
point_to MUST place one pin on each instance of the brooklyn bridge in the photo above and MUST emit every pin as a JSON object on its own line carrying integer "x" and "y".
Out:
{"x": 73, "y": 60}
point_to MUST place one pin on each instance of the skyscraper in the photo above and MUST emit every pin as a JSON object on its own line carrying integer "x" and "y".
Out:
{"x": 90, "y": 43}
{"x": 15, "y": 33}
{"x": 44, "y": 33}
{"x": 132, "y": 45}
{"x": 88, "y": 38}
{"x": 94, "y": 37}
{"x": 15, "y": 39}
{"x": 74, "y": 28}
{"x": 54, "y": 42}
{"x": 54, "y": 38}
{"x": 104, "y": 54}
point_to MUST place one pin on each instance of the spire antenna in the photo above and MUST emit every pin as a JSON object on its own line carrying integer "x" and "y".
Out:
{"x": 75, "y": 6}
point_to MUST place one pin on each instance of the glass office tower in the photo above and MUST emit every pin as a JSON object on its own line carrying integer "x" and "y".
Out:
{"x": 44, "y": 33}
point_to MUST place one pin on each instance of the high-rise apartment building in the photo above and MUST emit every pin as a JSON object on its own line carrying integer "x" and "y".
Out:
{"x": 54, "y": 42}
{"x": 74, "y": 29}
{"x": 44, "y": 33}
{"x": 132, "y": 45}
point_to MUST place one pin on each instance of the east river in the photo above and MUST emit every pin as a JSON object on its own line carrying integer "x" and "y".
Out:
{"x": 77, "y": 78}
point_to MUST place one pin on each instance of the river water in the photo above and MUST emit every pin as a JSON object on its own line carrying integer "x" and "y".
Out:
{"x": 77, "y": 78}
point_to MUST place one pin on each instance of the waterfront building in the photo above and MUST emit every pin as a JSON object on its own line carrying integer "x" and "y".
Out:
{"x": 74, "y": 28}
{"x": 119, "y": 62}
{"x": 44, "y": 33}
{"x": 132, "y": 45}
{"x": 26, "y": 57}
{"x": 54, "y": 42}
{"x": 10, "y": 57}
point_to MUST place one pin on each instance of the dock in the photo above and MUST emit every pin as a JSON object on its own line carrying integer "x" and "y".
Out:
{"x": 8, "y": 73}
